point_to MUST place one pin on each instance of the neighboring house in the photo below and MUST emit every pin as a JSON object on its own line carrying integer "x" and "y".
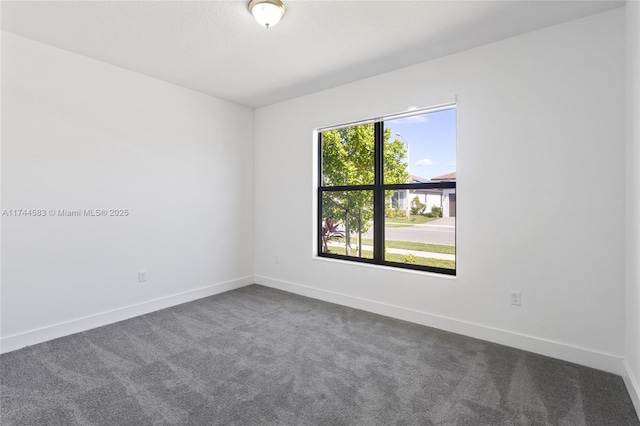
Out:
{"x": 448, "y": 195}
{"x": 402, "y": 199}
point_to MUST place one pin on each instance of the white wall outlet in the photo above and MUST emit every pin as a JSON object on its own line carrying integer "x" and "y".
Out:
{"x": 516, "y": 298}
{"x": 142, "y": 276}
{"x": 276, "y": 260}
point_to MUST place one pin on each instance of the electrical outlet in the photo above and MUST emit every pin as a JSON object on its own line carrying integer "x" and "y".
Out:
{"x": 276, "y": 260}
{"x": 142, "y": 276}
{"x": 516, "y": 298}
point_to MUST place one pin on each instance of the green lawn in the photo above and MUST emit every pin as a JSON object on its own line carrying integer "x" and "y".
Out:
{"x": 410, "y": 245}
{"x": 354, "y": 253}
{"x": 424, "y": 261}
{"x": 401, "y": 258}
{"x": 414, "y": 219}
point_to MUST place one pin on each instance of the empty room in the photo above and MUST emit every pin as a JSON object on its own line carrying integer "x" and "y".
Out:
{"x": 291, "y": 212}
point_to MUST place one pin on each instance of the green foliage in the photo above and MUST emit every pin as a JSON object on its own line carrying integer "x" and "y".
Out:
{"x": 417, "y": 207}
{"x": 415, "y": 246}
{"x": 409, "y": 258}
{"x": 330, "y": 232}
{"x": 348, "y": 156}
{"x": 348, "y": 159}
{"x": 438, "y": 263}
{"x": 414, "y": 219}
{"x": 405, "y": 258}
{"x": 435, "y": 212}
{"x": 395, "y": 213}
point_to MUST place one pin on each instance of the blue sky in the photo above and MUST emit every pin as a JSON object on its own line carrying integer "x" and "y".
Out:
{"x": 432, "y": 142}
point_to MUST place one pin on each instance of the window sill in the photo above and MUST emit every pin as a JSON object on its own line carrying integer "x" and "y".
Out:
{"x": 384, "y": 267}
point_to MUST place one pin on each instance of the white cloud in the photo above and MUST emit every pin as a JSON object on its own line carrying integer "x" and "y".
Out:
{"x": 451, "y": 163}
{"x": 424, "y": 162}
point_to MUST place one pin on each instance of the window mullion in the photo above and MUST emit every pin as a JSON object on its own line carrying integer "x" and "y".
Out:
{"x": 378, "y": 194}
{"x": 350, "y": 197}
{"x": 319, "y": 201}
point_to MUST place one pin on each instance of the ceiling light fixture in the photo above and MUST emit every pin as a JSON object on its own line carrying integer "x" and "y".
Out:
{"x": 267, "y": 12}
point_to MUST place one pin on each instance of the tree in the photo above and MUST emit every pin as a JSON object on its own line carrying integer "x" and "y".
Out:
{"x": 348, "y": 159}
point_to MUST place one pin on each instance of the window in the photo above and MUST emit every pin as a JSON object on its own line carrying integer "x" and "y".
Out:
{"x": 387, "y": 191}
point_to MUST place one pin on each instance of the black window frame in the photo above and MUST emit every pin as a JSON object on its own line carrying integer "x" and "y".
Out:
{"x": 378, "y": 188}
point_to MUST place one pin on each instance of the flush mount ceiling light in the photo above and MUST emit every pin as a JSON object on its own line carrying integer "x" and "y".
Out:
{"x": 267, "y": 12}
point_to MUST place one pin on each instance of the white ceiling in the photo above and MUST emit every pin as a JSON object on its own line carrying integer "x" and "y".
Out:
{"x": 217, "y": 48}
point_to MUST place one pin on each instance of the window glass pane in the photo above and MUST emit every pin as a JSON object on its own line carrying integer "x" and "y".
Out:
{"x": 348, "y": 156}
{"x": 420, "y": 223}
{"x": 428, "y": 239}
{"x": 347, "y": 223}
{"x": 417, "y": 152}
{"x": 420, "y": 148}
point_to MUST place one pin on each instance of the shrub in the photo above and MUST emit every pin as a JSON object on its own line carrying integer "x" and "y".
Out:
{"x": 436, "y": 211}
{"x": 330, "y": 232}
{"x": 409, "y": 258}
{"x": 395, "y": 213}
{"x": 417, "y": 207}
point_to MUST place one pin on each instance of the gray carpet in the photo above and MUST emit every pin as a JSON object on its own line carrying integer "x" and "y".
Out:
{"x": 258, "y": 356}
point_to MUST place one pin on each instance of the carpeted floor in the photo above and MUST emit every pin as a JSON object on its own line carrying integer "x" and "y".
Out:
{"x": 258, "y": 356}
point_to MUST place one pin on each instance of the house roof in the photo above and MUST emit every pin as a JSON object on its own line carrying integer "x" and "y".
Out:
{"x": 417, "y": 179}
{"x": 447, "y": 176}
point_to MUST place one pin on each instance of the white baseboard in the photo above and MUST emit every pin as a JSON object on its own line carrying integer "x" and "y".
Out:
{"x": 566, "y": 352}
{"x": 632, "y": 386}
{"x": 32, "y": 337}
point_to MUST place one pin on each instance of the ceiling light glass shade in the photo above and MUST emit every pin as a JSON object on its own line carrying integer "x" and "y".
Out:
{"x": 267, "y": 12}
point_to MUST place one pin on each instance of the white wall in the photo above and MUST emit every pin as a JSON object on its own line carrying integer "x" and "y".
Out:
{"x": 429, "y": 200}
{"x": 536, "y": 113}
{"x": 81, "y": 134}
{"x": 632, "y": 375}
{"x": 446, "y": 201}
